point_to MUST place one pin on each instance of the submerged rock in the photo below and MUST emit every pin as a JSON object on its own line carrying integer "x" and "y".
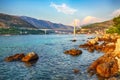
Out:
{"x": 16, "y": 57}
{"x": 74, "y": 40}
{"x": 73, "y": 52}
{"x": 76, "y": 71}
{"x": 30, "y": 56}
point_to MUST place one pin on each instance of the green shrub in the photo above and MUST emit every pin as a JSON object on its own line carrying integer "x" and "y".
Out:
{"x": 116, "y": 26}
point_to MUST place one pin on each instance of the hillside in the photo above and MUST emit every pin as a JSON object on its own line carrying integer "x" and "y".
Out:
{"x": 10, "y": 24}
{"x": 99, "y": 27}
{"x": 45, "y": 24}
{"x": 9, "y": 21}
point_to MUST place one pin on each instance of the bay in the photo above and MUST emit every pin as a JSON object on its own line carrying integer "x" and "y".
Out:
{"x": 53, "y": 64}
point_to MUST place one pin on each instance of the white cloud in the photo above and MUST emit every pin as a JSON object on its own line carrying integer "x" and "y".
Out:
{"x": 91, "y": 19}
{"x": 63, "y": 8}
{"x": 116, "y": 13}
{"x": 86, "y": 20}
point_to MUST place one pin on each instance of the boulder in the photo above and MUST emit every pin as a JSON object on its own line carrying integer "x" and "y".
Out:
{"x": 86, "y": 45}
{"x": 107, "y": 69}
{"x": 19, "y": 56}
{"x": 91, "y": 49}
{"x": 30, "y": 63}
{"x": 108, "y": 48}
{"x": 93, "y": 41}
{"x": 30, "y": 57}
{"x": 105, "y": 66}
{"x": 16, "y": 57}
{"x": 9, "y": 59}
{"x": 73, "y": 52}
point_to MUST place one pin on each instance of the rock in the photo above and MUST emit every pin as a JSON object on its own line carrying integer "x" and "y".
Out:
{"x": 73, "y": 52}
{"x": 16, "y": 57}
{"x": 105, "y": 66}
{"x": 76, "y": 71}
{"x": 30, "y": 56}
{"x": 9, "y": 59}
{"x": 118, "y": 61}
{"x": 30, "y": 63}
{"x": 19, "y": 56}
{"x": 93, "y": 41}
{"x": 84, "y": 45}
{"x": 112, "y": 78}
{"x": 91, "y": 49}
{"x": 98, "y": 47}
{"x": 107, "y": 69}
{"x": 117, "y": 48}
{"x": 108, "y": 48}
{"x": 74, "y": 40}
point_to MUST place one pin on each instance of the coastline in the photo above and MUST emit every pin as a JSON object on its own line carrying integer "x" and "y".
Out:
{"x": 109, "y": 44}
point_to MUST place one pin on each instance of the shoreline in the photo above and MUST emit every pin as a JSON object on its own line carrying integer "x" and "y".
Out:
{"x": 109, "y": 44}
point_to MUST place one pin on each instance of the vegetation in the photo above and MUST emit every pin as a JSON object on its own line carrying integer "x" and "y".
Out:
{"x": 116, "y": 26}
{"x": 97, "y": 27}
{"x": 17, "y": 31}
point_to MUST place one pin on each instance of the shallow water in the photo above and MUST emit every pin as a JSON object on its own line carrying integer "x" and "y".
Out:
{"x": 53, "y": 64}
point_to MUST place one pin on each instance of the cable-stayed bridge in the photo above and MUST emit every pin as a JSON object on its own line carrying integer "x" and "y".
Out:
{"x": 47, "y": 29}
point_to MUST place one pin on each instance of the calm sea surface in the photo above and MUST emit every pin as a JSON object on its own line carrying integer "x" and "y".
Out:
{"x": 53, "y": 64}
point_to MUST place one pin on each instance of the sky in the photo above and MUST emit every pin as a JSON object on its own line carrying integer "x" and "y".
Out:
{"x": 63, "y": 11}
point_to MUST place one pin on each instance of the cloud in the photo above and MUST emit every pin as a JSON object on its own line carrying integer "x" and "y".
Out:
{"x": 116, "y": 13}
{"x": 90, "y": 19}
{"x": 86, "y": 20}
{"x": 63, "y": 8}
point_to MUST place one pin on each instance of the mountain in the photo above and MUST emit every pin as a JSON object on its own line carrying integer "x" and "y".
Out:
{"x": 8, "y": 21}
{"x": 97, "y": 27}
{"x": 45, "y": 24}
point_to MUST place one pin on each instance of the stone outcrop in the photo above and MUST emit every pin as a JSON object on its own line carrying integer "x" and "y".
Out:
{"x": 105, "y": 44}
{"x": 73, "y": 52}
{"x": 30, "y": 56}
{"x": 16, "y": 57}
{"x": 107, "y": 65}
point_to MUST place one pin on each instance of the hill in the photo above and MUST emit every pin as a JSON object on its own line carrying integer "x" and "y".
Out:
{"x": 8, "y": 21}
{"x": 10, "y": 24}
{"x": 97, "y": 27}
{"x": 45, "y": 24}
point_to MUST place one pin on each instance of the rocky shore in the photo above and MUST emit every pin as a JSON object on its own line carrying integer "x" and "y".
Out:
{"x": 108, "y": 65}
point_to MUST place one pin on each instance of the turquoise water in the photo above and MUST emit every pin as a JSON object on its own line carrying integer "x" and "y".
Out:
{"x": 53, "y": 64}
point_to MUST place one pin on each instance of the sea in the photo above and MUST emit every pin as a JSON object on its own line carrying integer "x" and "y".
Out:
{"x": 52, "y": 64}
